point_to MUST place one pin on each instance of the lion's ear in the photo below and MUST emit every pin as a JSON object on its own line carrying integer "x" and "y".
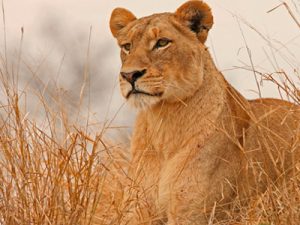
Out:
{"x": 119, "y": 19}
{"x": 197, "y": 16}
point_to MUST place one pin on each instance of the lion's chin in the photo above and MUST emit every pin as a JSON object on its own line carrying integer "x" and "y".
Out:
{"x": 142, "y": 101}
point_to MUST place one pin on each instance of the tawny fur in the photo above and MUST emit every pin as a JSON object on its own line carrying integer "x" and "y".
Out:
{"x": 197, "y": 143}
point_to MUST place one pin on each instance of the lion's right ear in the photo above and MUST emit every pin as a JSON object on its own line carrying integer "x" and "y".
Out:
{"x": 197, "y": 15}
{"x": 119, "y": 19}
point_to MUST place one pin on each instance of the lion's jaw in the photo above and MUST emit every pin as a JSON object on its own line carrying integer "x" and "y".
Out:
{"x": 172, "y": 73}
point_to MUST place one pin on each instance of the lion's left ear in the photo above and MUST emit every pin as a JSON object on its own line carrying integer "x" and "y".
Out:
{"x": 119, "y": 19}
{"x": 197, "y": 16}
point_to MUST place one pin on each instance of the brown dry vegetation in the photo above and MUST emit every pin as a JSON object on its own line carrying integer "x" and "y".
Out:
{"x": 51, "y": 176}
{"x": 62, "y": 172}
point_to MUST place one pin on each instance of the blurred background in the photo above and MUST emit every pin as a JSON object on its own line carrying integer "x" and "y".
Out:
{"x": 63, "y": 50}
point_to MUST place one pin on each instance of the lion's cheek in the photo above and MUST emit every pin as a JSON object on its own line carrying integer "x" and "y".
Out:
{"x": 181, "y": 85}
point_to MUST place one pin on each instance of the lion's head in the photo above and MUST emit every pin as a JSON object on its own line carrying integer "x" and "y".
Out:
{"x": 161, "y": 54}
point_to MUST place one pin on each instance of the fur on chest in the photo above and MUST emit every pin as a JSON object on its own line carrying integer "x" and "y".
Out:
{"x": 171, "y": 135}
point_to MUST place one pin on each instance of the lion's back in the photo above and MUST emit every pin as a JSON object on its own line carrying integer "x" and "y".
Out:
{"x": 275, "y": 115}
{"x": 272, "y": 141}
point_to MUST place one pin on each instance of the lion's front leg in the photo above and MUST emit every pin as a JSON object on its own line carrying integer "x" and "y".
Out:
{"x": 139, "y": 207}
{"x": 140, "y": 199}
{"x": 194, "y": 187}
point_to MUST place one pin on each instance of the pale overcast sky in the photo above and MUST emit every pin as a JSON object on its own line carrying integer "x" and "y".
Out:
{"x": 71, "y": 20}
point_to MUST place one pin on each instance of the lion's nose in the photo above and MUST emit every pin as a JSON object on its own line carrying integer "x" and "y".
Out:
{"x": 131, "y": 77}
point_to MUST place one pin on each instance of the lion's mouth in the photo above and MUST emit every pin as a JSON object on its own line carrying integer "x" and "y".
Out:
{"x": 140, "y": 92}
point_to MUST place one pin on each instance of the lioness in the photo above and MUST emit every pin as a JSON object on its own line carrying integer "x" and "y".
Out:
{"x": 197, "y": 143}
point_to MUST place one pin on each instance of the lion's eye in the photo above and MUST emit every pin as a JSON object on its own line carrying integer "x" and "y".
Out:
{"x": 162, "y": 43}
{"x": 126, "y": 47}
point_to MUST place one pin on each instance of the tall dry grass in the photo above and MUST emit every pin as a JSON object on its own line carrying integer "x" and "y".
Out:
{"x": 55, "y": 170}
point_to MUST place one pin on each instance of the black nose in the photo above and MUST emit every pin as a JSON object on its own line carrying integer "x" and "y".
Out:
{"x": 131, "y": 77}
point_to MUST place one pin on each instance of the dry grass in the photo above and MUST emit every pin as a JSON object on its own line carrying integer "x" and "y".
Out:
{"x": 46, "y": 178}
